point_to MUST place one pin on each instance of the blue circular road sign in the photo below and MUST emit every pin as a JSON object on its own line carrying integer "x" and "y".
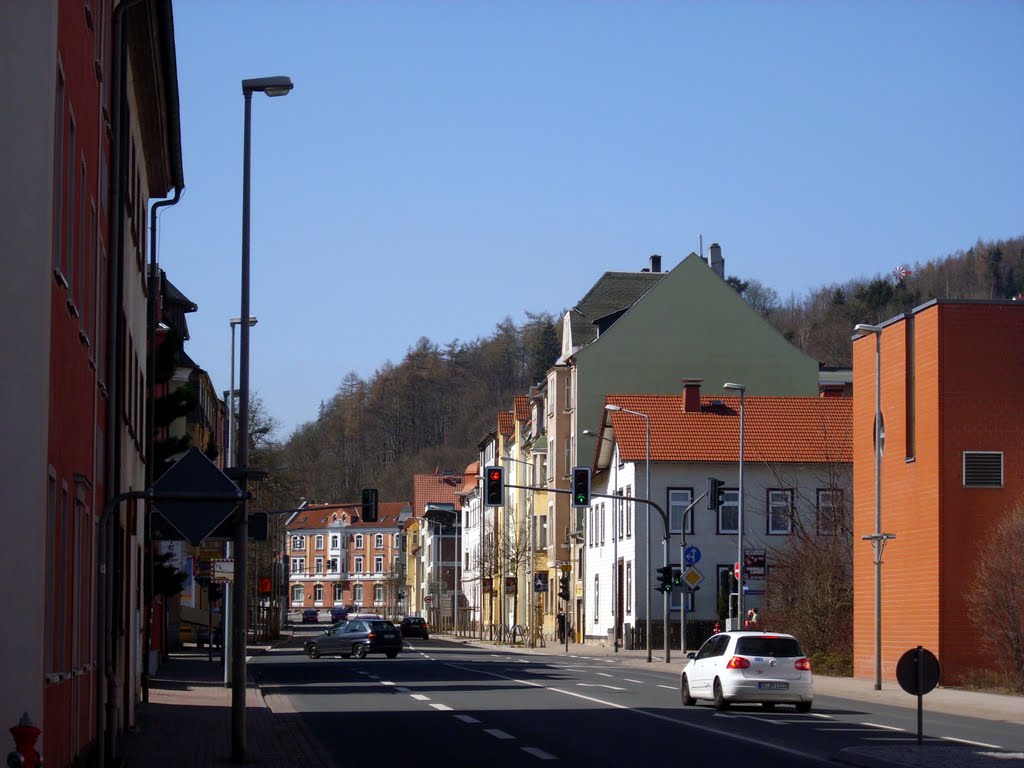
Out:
{"x": 691, "y": 555}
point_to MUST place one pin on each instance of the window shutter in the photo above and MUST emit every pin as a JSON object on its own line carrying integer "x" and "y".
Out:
{"x": 983, "y": 469}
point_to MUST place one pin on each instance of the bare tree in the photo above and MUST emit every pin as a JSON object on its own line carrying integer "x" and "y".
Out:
{"x": 995, "y": 598}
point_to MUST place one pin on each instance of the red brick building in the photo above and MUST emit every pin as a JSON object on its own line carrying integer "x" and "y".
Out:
{"x": 952, "y": 377}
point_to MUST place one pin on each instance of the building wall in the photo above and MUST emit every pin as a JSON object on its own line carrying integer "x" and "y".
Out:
{"x": 967, "y": 365}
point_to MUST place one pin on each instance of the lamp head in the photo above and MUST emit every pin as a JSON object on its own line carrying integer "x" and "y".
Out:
{"x": 738, "y": 387}
{"x": 612, "y": 407}
{"x": 865, "y": 328}
{"x": 278, "y": 85}
{"x": 238, "y": 321}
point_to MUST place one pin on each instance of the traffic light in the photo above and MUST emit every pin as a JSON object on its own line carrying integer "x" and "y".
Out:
{"x": 665, "y": 577}
{"x": 494, "y": 487}
{"x": 563, "y": 586}
{"x": 714, "y": 493}
{"x": 369, "y": 505}
{"x": 214, "y": 592}
{"x": 581, "y": 486}
{"x": 677, "y": 578}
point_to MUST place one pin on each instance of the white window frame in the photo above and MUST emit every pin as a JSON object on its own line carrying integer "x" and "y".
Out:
{"x": 378, "y": 594}
{"x": 826, "y": 499}
{"x": 357, "y": 595}
{"x": 357, "y": 541}
{"x": 731, "y": 503}
{"x": 318, "y": 541}
{"x": 597, "y": 596}
{"x": 678, "y": 500}
{"x": 335, "y": 540}
{"x": 298, "y": 564}
{"x": 339, "y": 593}
{"x": 298, "y": 543}
{"x": 629, "y": 586}
{"x": 318, "y": 593}
{"x": 378, "y": 563}
{"x": 378, "y": 541}
{"x": 629, "y": 511}
{"x": 298, "y": 595}
{"x": 318, "y": 565}
{"x": 358, "y": 564}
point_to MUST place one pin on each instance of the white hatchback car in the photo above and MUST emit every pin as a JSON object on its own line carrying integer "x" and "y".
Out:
{"x": 748, "y": 667}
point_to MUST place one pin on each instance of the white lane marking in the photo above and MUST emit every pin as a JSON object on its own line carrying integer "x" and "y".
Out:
{"x": 750, "y": 717}
{"x": 540, "y": 754}
{"x": 467, "y": 719}
{"x": 670, "y": 687}
{"x": 386, "y": 682}
{"x": 498, "y": 734}
{"x": 655, "y": 716}
{"x": 602, "y": 674}
{"x": 631, "y": 680}
{"x": 600, "y": 685}
{"x": 402, "y": 689}
{"x": 972, "y": 743}
{"x": 442, "y": 707}
{"x": 883, "y": 727}
{"x": 420, "y": 697}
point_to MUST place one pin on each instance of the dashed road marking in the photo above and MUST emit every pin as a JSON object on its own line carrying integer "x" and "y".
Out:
{"x": 420, "y": 697}
{"x": 442, "y": 707}
{"x": 540, "y": 754}
{"x": 498, "y": 734}
{"x": 467, "y": 719}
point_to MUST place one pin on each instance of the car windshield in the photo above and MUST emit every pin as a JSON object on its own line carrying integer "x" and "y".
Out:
{"x": 777, "y": 647}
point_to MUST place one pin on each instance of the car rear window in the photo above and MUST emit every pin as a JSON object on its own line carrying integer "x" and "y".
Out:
{"x": 777, "y": 647}
{"x": 414, "y": 621}
{"x": 380, "y": 626}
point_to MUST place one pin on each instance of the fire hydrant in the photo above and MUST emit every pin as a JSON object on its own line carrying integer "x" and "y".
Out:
{"x": 25, "y": 736}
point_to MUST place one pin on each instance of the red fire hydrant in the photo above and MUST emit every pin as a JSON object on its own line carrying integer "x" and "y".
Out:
{"x": 25, "y": 736}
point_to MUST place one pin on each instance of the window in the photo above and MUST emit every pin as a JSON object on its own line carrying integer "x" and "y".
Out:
{"x": 983, "y": 469}
{"x": 567, "y": 467}
{"x": 298, "y": 543}
{"x": 335, "y": 540}
{"x": 830, "y": 510}
{"x": 619, "y": 513}
{"x": 378, "y": 564}
{"x": 597, "y": 597}
{"x": 729, "y": 511}
{"x": 318, "y": 565}
{"x": 358, "y": 566}
{"x": 541, "y": 522}
{"x": 601, "y": 527}
{"x": 398, "y": 540}
{"x": 629, "y": 512}
{"x": 542, "y": 469}
{"x": 780, "y": 510}
{"x": 629, "y": 587}
{"x": 332, "y": 565}
{"x": 357, "y": 595}
{"x": 318, "y": 542}
{"x": 678, "y": 500}
{"x": 298, "y": 597}
{"x": 318, "y": 593}
{"x": 568, "y": 391}
{"x": 358, "y": 541}
{"x": 298, "y": 565}
{"x": 378, "y": 594}
{"x": 378, "y": 541}
{"x": 339, "y": 593}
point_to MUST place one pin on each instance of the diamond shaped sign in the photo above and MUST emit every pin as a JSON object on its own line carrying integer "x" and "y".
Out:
{"x": 212, "y": 496}
{"x": 692, "y": 577}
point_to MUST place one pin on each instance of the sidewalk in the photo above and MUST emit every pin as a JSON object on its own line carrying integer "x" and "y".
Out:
{"x": 187, "y": 721}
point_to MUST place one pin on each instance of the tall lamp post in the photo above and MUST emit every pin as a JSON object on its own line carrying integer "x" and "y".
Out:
{"x": 878, "y": 538}
{"x": 742, "y": 389}
{"x": 271, "y": 86}
{"x": 615, "y": 539}
{"x": 647, "y": 565}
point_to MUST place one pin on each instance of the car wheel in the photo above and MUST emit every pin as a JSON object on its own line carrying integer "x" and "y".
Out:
{"x": 803, "y": 707}
{"x": 359, "y": 651}
{"x": 392, "y": 654}
{"x": 769, "y": 705}
{"x": 720, "y": 702}
{"x": 314, "y": 652}
{"x": 688, "y": 700}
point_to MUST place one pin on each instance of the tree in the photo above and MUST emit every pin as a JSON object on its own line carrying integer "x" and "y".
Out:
{"x": 995, "y": 598}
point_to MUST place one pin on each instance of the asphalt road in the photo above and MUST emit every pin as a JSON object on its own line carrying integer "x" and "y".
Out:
{"x": 446, "y": 703}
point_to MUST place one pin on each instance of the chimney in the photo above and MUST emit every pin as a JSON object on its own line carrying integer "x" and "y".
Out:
{"x": 716, "y": 261}
{"x": 691, "y": 395}
{"x": 655, "y": 263}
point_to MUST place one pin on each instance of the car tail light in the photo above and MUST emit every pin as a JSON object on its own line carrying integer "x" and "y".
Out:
{"x": 738, "y": 662}
{"x": 804, "y": 664}
{"x": 371, "y": 636}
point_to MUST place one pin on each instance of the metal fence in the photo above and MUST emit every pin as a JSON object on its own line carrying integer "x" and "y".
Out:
{"x": 697, "y": 631}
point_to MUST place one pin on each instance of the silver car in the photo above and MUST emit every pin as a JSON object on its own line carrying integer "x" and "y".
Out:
{"x": 748, "y": 667}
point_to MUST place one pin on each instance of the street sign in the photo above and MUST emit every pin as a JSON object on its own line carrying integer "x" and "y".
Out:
{"x": 540, "y": 581}
{"x": 264, "y": 586}
{"x": 692, "y": 577}
{"x": 736, "y": 571}
{"x": 691, "y": 555}
{"x": 194, "y": 473}
{"x": 223, "y": 570}
{"x": 907, "y": 669}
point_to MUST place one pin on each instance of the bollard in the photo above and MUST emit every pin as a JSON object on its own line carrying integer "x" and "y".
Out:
{"x": 25, "y": 736}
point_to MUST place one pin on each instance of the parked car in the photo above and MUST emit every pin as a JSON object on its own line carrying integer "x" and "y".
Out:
{"x": 202, "y": 634}
{"x": 755, "y": 667}
{"x": 356, "y": 637}
{"x": 415, "y": 626}
{"x": 339, "y": 613}
{"x": 311, "y": 616}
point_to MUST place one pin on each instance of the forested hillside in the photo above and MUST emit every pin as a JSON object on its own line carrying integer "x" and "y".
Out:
{"x": 430, "y": 410}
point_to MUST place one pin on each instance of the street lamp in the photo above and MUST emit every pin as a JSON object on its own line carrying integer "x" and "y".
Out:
{"x": 647, "y": 564}
{"x": 742, "y": 388}
{"x": 878, "y": 538}
{"x": 271, "y": 86}
{"x": 615, "y": 539}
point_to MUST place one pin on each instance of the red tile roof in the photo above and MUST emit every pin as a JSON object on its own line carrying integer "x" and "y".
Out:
{"x": 521, "y": 407}
{"x": 317, "y": 516}
{"x": 472, "y": 476}
{"x": 436, "y": 488}
{"x": 775, "y": 429}
{"x": 506, "y": 423}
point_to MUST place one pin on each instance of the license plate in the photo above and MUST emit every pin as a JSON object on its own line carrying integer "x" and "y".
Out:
{"x": 773, "y": 686}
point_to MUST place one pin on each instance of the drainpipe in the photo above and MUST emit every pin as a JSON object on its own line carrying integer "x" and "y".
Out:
{"x": 108, "y": 560}
{"x": 151, "y": 321}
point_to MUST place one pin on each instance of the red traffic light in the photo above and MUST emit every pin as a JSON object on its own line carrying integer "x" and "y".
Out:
{"x": 494, "y": 474}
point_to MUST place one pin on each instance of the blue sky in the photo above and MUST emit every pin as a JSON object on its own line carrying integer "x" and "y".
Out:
{"x": 440, "y": 166}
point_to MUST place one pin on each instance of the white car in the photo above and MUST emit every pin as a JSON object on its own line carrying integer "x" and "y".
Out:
{"x": 748, "y": 667}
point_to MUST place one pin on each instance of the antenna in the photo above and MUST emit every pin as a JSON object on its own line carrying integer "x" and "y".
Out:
{"x": 700, "y": 245}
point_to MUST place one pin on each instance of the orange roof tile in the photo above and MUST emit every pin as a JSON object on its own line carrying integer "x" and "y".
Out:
{"x": 436, "y": 488}
{"x": 472, "y": 476}
{"x": 506, "y": 423}
{"x": 317, "y": 516}
{"x": 775, "y": 429}
{"x": 521, "y": 407}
